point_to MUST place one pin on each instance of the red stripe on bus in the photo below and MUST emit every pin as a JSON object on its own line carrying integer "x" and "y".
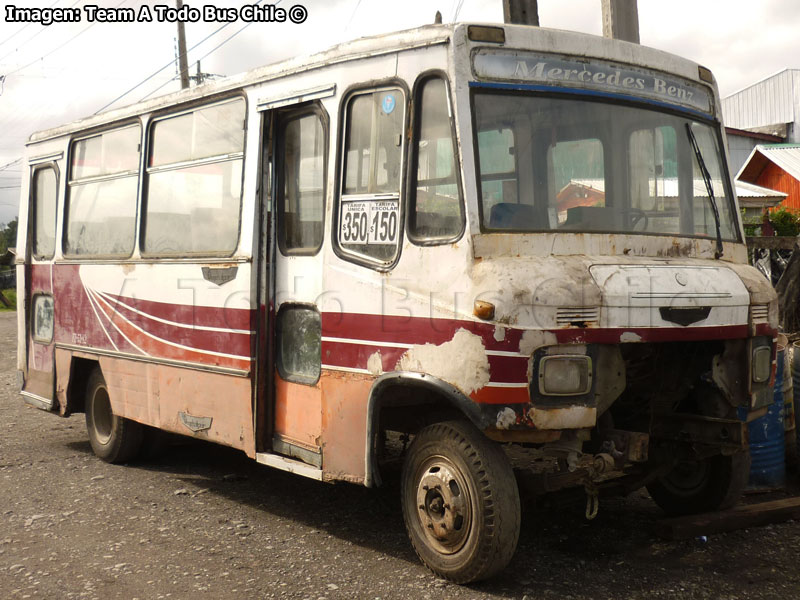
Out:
{"x": 650, "y": 334}
{"x": 118, "y": 340}
{"x": 422, "y": 330}
{"x": 227, "y": 342}
{"x": 356, "y": 356}
{"x": 499, "y": 395}
{"x": 504, "y": 369}
{"x": 413, "y": 330}
{"x": 187, "y": 314}
{"x": 159, "y": 349}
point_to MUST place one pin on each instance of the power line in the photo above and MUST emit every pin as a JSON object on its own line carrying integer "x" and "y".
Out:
{"x": 458, "y": 10}
{"x": 149, "y": 77}
{"x": 20, "y": 30}
{"x": 217, "y": 47}
{"x": 43, "y": 29}
{"x": 352, "y": 14}
{"x": 10, "y": 164}
{"x": 57, "y": 48}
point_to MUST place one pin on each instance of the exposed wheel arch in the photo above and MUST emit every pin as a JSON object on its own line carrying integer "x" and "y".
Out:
{"x": 441, "y": 401}
{"x": 80, "y": 371}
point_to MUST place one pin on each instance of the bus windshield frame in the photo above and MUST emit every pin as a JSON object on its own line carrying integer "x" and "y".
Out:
{"x": 549, "y": 161}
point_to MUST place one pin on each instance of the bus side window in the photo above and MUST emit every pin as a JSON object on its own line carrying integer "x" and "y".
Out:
{"x": 299, "y": 352}
{"x": 45, "y": 186}
{"x": 302, "y": 157}
{"x": 103, "y": 183}
{"x": 194, "y": 182}
{"x": 435, "y": 206}
{"x": 369, "y": 203}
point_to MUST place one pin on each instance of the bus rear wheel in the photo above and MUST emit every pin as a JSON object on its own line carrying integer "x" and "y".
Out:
{"x": 460, "y": 502}
{"x": 113, "y": 438}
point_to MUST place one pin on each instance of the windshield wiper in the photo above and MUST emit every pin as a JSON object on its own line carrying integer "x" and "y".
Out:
{"x": 709, "y": 188}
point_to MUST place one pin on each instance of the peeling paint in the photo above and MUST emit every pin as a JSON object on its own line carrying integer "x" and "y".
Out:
{"x": 499, "y": 333}
{"x": 572, "y": 417}
{"x": 506, "y": 418}
{"x": 629, "y": 336}
{"x": 533, "y": 339}
{"x": 470, "y": 372}
{"x": 375, "y": 364}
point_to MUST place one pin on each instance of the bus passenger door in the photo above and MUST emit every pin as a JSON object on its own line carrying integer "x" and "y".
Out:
{"x": 38, "y": 388}
{"x": 294, "y": 150}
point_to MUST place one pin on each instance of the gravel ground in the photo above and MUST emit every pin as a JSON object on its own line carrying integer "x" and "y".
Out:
{"x": 204, "y": 520}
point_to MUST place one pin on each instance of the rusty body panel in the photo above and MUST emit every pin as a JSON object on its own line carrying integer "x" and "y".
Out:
{"x": 169, "y": 398}
{"x": 344, "y": 419}
{"x": 298, "y": 412}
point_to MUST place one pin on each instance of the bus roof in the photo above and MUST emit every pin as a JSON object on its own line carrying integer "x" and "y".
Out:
{"x": 517, "y": 37}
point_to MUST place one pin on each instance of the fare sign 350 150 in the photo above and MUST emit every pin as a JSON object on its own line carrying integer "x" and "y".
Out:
{"x": 369, "y": 222}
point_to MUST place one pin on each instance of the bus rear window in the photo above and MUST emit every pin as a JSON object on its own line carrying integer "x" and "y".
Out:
{"x": 45, "y": 185}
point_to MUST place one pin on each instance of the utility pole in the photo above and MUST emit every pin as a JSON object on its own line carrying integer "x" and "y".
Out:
{"x": 182, "y": 62}
{"x": 621, "y": 20}
{"x": 521, "y": 12}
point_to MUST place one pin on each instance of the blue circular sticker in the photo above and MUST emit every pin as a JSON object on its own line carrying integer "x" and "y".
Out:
{"x": 388, "y": 104}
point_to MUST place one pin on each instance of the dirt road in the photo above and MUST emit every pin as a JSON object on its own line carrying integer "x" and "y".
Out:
{"x": 205, "y": 521}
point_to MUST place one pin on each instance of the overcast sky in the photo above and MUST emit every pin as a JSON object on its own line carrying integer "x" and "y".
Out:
{"x": 65, "y": 71}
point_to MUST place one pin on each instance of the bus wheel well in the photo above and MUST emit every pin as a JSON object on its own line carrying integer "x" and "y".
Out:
{"x": 81, "y": 370}
{"x": 407, "y": 403}
{"x": 408, "y": 410}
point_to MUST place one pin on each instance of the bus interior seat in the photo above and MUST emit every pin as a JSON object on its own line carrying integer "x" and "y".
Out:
{"x": 508, "y": 215}
{"x": 592, "y": 218}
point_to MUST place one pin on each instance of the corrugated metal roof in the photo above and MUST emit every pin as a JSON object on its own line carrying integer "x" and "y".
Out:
{"x": 755, "y": 196}
{"x": 768, "y": 102}
{"x": 750, "y": 190}
{"x": 668, "y": 188}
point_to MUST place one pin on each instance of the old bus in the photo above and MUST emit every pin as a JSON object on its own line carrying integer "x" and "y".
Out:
{"x": 512, "y": 254}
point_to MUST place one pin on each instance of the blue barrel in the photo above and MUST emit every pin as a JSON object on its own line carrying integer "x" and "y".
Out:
{"x": 796, "y": 383}
{"x": 767, "y": 440}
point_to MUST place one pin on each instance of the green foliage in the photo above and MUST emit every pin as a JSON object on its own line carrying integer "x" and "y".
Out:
{"x": 785, "y": 221}
{"x": 11, "y": 297}
{"x": 752, "y": 225}
{"x": 8, "y": 235}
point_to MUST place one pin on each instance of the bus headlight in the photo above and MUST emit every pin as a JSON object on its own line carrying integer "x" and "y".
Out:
{"x": 565, "y": 375}
{"x": 762, "y": 364}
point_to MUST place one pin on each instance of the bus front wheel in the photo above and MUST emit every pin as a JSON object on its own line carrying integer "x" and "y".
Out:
{"x": 113, "y": 438}
{"x": 460, "y": 502}
{"x": 698, "y": 486}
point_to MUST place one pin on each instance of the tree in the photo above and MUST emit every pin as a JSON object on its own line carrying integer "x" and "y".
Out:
{"x": 8, "y": 235}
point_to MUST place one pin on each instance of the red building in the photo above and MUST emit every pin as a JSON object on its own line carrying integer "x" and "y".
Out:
{"x": 777, "y": 167}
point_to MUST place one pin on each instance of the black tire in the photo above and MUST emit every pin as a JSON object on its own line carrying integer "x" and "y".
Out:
{"x": 113, "y": 438}
{"x": 692, "y": 487}
{"x": 460, "y": 502}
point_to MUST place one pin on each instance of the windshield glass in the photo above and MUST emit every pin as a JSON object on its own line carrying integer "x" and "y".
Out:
{"x": 555, "y": 163}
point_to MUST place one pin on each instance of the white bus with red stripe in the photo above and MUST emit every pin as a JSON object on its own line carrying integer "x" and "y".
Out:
{"x": 507, "y": 253}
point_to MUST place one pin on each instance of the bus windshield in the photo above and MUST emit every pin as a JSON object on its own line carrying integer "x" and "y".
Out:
{"x": 550, "y": 163}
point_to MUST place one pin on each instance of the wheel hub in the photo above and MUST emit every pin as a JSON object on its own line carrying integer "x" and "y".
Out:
{"x": 443, "y": 506}
{"x": 102, "y": 416}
